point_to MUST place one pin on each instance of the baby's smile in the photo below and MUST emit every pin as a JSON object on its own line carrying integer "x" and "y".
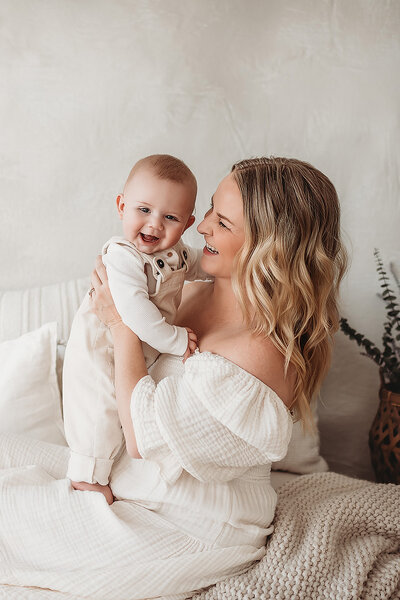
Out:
{"x": 149, "y": 239}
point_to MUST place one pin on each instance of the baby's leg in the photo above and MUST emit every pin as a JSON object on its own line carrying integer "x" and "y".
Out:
{"x": 92, "y": 427}
{"x": 94, "y": 487}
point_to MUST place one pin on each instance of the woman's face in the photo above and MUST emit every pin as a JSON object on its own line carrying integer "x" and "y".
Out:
{"x": 223, "y": 229}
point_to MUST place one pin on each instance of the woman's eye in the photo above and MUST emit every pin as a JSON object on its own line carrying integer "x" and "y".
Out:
{"x": 144, "y": 209}
{"x": 171, "y": 217}
{"x": 221, "y": 224}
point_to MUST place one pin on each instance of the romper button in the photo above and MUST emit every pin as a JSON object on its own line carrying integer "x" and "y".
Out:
{"x": 185, "y": 254}
{"x": 169, "y": 254}
{"x": 160, "y": 263}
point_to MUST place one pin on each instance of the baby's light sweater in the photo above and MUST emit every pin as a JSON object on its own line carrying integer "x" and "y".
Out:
{"x": 147, "y": 288}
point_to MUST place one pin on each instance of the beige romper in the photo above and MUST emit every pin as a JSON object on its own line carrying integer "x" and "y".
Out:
{"x": 147, "y": 290}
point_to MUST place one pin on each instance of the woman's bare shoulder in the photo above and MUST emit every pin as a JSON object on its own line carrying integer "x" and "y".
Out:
{"x": 261, "y": 358}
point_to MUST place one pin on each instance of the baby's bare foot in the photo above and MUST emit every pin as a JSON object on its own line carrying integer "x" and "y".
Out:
{"x": 94, "y": 487}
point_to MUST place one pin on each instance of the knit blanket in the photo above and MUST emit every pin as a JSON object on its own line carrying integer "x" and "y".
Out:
{"x": 335, "y": 537}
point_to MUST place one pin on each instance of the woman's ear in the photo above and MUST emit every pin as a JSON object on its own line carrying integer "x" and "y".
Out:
{"x": 120, "y": 205}
{"x": 189, "y": 222}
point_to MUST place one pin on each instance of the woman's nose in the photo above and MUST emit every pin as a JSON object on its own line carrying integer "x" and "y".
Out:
{"x": 204, "y": 226}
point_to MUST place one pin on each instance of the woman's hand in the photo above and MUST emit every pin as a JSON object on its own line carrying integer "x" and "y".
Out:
{"x": 102, "y": 303}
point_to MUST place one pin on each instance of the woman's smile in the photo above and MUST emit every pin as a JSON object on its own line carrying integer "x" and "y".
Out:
{"x": 208, "y": 249}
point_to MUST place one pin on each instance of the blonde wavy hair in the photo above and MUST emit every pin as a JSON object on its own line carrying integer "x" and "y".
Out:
{"x": 287, "y": 274}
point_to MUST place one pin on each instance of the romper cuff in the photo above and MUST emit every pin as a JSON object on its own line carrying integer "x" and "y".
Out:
{"x": 89, "y": 468}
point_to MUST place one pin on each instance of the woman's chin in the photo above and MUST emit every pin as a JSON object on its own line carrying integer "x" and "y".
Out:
{"x": 209, "y": 264}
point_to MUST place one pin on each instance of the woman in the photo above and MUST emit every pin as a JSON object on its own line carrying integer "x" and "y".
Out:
{"x": 200, "y": 506}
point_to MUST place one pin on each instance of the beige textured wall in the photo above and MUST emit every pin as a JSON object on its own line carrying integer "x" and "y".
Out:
{"x": 89, "y": 86}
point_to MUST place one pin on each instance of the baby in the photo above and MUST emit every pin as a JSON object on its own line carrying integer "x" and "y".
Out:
{"x": 146, "y": 269}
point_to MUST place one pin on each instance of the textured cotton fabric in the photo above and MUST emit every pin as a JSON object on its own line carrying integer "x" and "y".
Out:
{"x": 214, "y": 420}
{"x": 195, "y": 510}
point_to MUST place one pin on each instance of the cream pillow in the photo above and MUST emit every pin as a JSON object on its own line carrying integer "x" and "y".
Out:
{"x": 303, "y": 453}
{"x": 27, "y": 309}
{"x": 29, "y": 393}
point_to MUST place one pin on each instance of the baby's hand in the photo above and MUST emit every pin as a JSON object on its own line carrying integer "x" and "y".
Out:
{"x": 192, "y": 343}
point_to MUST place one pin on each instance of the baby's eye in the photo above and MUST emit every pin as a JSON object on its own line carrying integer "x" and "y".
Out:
{"x": 144, "y": 209}
{"x": 171, "y": 217}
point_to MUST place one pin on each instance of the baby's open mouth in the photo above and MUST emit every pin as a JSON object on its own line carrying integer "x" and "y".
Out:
{"x": 149, "y": 238}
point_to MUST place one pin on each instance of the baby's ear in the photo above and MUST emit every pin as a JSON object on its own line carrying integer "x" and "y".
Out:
{"x": 189, "y": 222}
{"x": 120, "y": 205}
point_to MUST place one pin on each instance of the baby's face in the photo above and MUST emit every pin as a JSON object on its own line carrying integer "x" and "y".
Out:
{"x": 155, "y": 212}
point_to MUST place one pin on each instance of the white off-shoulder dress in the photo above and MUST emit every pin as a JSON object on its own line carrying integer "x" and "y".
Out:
{"x": 194, "y": 510}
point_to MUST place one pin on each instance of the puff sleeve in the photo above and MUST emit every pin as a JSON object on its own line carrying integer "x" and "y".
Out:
{"x": 215, "y": 421}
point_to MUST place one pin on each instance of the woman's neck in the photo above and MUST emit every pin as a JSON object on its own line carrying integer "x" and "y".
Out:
{"x": 223, "y": 304}
{"x": 210, "y": 309}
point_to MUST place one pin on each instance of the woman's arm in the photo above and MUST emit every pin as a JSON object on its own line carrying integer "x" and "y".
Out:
{"x": 130, "y": 365}
{"x": 129, "y": 369}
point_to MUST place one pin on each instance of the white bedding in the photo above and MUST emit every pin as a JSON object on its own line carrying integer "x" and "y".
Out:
{"x": 334, "y": 537}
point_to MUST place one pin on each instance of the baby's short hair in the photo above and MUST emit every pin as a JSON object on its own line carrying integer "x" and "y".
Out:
{"x": 167, "y": 167}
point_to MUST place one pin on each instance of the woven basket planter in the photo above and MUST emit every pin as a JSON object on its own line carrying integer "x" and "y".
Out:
{"x": 384, "y": 438}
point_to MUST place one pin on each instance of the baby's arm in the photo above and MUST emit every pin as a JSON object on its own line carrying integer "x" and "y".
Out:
{"x": 129, "y": 288}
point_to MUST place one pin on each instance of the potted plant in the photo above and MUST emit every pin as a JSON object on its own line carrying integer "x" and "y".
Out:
{"x": 384, "y": 435}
